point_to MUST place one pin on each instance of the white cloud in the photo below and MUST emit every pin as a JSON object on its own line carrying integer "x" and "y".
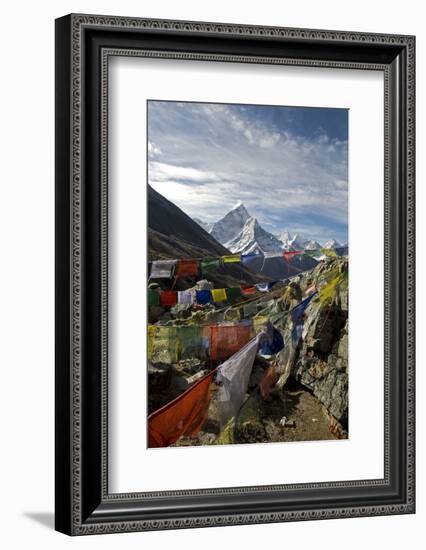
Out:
{"x": 214, "y": 155}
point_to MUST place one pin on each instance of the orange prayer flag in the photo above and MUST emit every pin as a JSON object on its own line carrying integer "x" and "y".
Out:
{"x": 267, "y": 382}
{"x": 182, "y": 416}
{"x": 187, "y": 268}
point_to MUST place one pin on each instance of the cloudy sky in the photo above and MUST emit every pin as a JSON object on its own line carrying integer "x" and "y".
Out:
{"x": 288, "y": 165}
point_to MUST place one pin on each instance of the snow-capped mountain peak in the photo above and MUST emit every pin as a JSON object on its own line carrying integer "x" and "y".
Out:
{"x": 253, "y": 239}
{"x": 332, "y": 243}
{"x": 231, "y": 224}
{"x": 312, "y": 245}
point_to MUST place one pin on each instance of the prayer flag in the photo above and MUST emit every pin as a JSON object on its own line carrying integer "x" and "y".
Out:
{"x": 272, "y": 255}
{"x": 267, "y": 382}
{"x": 187, "y": 268}
{"x": 270, "y": 341}
{"x": 259, "y": 323}
{"x": 162, "y": 269}
{"x": 204, "y": 297}
{"x": 219, "y": 295}
{"x": 328, "y": 291}
{"x": 163, "y": 344}
{"x": 225, "y": 340}
{"x": 296, "y": 334}
{"x": 248, "y": 290}
{"x": 207, "y": 265}
{"x": 265, "y": 287}
{"x": 311, "y": 289}
{"x": 247, "y": 259}
{"x": 288, "y": 254}
{"x": 168, "y": 298}
{"x": 233, "y": 258}
{"x": 250, "y": 309}
{"x": 182, "y": 416}
{"x": 298, "y": 311}
{"x": 153, "y": 297}
{"x": 186, "y": 296}
{"x": 329, "y": 252}
{"x": 233, "y": 377}
{"x": 226, "y": 436}
{"x": 190, "y": 342}
{"x": 233, "y": 293}
{"x": 152, "y": 329}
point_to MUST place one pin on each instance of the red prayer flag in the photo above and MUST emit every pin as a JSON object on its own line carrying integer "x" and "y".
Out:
{"x": 248, "y": 290}
{"x": 289, "y": 254}
{"x": 225, "y": 340}
{"x": 182, "y": 416}
{"x": 168, "y": 298}
{"x": 187, "y": 268}
{"x": 267, "y": 382}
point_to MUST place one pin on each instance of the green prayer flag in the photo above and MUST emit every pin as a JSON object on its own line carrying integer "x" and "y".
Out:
{"x": 207, "y": 265}
{"x": 153, "y": 297}
{"x": 233, "y": 293}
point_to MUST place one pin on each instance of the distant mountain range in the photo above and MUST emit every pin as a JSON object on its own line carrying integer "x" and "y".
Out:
{"x": 241, "y": 233}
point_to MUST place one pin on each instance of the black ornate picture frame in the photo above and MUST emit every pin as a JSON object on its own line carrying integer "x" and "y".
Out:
{"x": 84, "y": 43}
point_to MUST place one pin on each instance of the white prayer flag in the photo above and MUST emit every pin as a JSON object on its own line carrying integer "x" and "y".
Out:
{"x": 234, "y": 375}
{"x": 162, "y": 269}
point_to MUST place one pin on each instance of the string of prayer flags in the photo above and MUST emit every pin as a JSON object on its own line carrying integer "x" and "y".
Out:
{"x": 232, "y": 258}
{"x": 233, "y": 293}
{"x": 207, "y": 265}
{"x": 225, "y": 340}
{"x": 219, "y": 295}
{"x": 204, "y": 297}
{"x": 187, "y": 268}
{"x": 233, "y": 377}
{"x": 267, "y": 383}
{"x": 162, "y": 269}
{"x": 153, "y": 297}
{"x": 186, "y": 296}
{"x": 298, "y": 311}
{"x": 184, "y": 416}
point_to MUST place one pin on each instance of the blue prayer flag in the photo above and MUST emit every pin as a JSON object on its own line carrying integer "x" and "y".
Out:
{"x": 204, "y": 296}
{"x": 271, "y": 341}
{"x": 299, "y": 310}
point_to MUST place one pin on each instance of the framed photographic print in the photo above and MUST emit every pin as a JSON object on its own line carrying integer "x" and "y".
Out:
{"x": 234, "y": 274}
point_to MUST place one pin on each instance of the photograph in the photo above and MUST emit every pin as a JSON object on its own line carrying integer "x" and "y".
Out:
{"x": 248, "y": 273}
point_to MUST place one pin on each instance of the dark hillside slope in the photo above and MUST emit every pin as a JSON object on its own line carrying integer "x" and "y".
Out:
{"x": 172, "y": 234}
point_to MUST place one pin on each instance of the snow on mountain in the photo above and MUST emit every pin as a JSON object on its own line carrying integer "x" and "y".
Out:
{"x": 253, "y": 239}
{"x": 206, "y": 226}
{"x": 312, "y": 245}
{"x": 228, "y": 227}
{"x": 289, "y": 242}
{"x": 332, "y": 243}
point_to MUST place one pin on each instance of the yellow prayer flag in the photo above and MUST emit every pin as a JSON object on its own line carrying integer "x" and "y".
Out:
{"x": 226, "y": 436}
{"x": 233, "y": 258}
{"x": 219, "y": 295}
{"x": 328, "y": 291}
{"x": 329, "y": 252}
{"x": 151, "y": 337}
{"x": 259, "y": 323}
